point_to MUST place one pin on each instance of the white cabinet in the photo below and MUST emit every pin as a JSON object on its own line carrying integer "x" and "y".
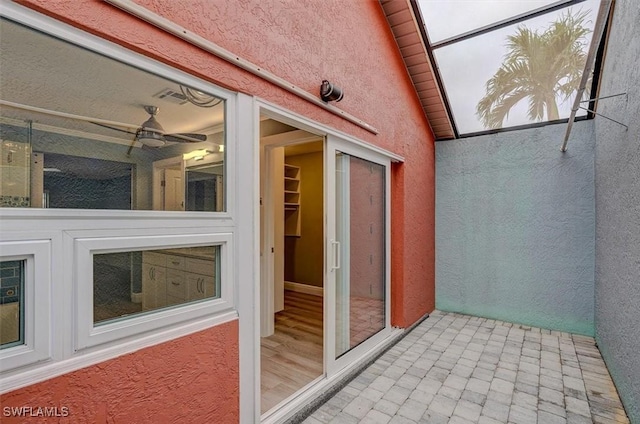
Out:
{"x": 171, "y": 279}
{"x": 154, "y": 281}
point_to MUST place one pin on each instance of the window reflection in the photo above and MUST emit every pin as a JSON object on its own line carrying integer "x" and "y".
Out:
{"x": 82, "y": 131}
{"x": 11, "y": 303}
{"x": 129, "y": 283}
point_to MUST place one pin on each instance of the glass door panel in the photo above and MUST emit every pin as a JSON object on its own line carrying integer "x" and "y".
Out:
{"x": 357, "y": 252}
{"x": 360, "y": 240}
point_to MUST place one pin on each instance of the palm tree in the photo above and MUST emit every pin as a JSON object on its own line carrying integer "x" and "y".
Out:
{"x": 539, "y": 66}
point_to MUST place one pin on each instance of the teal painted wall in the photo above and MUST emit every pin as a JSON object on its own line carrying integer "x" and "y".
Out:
{"x": 515, "y": 227}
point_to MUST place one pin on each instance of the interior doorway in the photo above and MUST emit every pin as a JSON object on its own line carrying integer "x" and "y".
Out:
{"x": 325, "y": 259}
{"x": 168, "y": 184}
{"x": 292, "y": 261}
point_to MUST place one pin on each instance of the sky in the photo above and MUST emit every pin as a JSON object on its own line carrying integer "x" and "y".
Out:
{"x": 465, "y": 67}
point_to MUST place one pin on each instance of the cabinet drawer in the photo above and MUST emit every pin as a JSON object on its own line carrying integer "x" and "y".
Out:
{"x": 200, "y": 286}
{"x": 200, "y": 266}
{"x": 175, "y": 262}
{"x": 176, "y": 284}
{"x": 154, "y": 287}
{"x": 154, "y": 258}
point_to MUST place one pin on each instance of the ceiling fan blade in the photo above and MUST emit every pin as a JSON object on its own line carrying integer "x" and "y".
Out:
{"x": 114, "y": 128}
{"x": 133, "y": 143}
{"x": 185, "y": 138}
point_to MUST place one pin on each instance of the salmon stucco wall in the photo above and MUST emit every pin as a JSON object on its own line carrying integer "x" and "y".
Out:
{"x": 192, "y": 379}
{"x": 349, "y": 44}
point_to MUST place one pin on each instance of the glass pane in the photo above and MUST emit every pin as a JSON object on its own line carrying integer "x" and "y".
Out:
{"x": 15, "y": 164}
{"x": 205, "y": 187}
{"x": 539, "y": 82}
{"x": 360, "y": 231}
{"x": 130, "y": 283}
{"x": 11, "y": 303}
{"x": 447, "y": 18}
{"x": 103, "y": 135}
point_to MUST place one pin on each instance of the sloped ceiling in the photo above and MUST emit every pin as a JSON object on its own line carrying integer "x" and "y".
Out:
{"x": 405, "y": 28}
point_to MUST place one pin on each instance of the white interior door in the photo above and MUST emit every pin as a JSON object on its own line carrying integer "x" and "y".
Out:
{"x": 173, "y": 190}
{"x": 357, "y": 291}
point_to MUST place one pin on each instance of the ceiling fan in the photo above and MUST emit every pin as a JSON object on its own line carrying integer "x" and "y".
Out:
{"x": 151, "y": 134}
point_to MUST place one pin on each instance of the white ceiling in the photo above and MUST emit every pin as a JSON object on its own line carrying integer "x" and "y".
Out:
{"x": 39, "y": 70}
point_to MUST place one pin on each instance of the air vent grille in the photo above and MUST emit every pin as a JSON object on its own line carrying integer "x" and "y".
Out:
{"x": 172, "y": 96}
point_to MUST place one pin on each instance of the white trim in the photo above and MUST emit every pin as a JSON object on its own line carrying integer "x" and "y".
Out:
{"x": 50, "y": 370}
{"x": 334, "y": 144}
{"x": 36, "y": 303}
{"x": 106, "y": 48}
{"x": 247, "y": 257}
{"x": 303, "y": 288}
{"x": 267, "y": 233}
{"x": 374, "y": 344}
{"x": 273, "y": 111}
{"x": 65, "y": 226}
{"x": 88, "y": 335}
{"x": 218, "y": 51}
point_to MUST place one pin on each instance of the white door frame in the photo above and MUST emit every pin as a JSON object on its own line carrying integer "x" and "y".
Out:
{"x": 339, "y": 255}
{"x": 262, "y": 108}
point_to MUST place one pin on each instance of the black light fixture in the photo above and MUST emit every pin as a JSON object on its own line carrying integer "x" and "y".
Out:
{"x": 329, "y": 92}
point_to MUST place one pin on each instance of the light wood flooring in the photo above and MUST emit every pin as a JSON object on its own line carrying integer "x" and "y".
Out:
{"x": 292, "y": 357}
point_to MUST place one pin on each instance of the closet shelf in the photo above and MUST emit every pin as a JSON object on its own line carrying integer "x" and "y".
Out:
{"x": 292, "y": 200}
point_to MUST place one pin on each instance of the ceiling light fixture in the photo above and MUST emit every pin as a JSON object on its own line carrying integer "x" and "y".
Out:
{"x": 151, "y": 132}
{"x": 199, "y": 98}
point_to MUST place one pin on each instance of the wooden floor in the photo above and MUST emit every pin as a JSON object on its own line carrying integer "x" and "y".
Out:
{"x": 292, "y": 357}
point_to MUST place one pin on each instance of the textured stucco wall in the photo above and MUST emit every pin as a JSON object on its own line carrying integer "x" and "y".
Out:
{"x": 618, "y": 208}
{"x": 306, "y": 42}
{"x": 193, "y": 379}
{"x": 515, "y": 227}
{"x": 303, "y": 42}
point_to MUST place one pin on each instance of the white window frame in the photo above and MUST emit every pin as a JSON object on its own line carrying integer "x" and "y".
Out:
{"x": 88, "y": 334}
{"x": 64, "y": 334}
{"x": 37, "y": 302}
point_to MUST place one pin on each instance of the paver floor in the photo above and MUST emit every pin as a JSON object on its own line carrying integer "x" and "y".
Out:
{"x": 456, "y": 368}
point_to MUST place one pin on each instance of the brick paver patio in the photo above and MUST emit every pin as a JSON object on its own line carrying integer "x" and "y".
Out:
{"x": 461, "y": 369}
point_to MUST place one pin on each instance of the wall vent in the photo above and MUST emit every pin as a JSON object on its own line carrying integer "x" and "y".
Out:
{"x": 172, "y": 96}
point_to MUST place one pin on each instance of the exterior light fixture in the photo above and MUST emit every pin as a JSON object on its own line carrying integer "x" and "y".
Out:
{"x": 329, "y": 92}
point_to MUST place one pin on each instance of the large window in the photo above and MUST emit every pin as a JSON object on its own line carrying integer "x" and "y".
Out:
{"x": 116, "y": 199}
{"x": 129, "y": 283}
{"x": 82, "y": 131}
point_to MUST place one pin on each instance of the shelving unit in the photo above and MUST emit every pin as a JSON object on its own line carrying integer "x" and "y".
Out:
{"x": 291, "y": 200}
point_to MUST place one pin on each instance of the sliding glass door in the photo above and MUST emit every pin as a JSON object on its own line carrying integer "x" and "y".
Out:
{"x": 357, "y": 274}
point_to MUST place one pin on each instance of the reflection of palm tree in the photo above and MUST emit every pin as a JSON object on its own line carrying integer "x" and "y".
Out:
{"x": 538, "y": 66}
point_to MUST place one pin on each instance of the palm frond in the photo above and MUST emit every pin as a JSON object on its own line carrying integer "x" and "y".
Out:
{"x": 541, "y": 66}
